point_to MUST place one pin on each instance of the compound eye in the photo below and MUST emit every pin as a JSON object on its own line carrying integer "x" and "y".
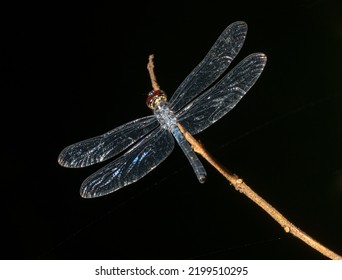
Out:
{"x": 154, "y": 96}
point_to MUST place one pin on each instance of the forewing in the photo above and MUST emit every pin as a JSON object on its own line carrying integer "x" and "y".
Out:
{"x": 212, "y": 66}
{"x": 105, "y": 146}
{"x": 130, "y": 167}
{"x": 222, "y": 97}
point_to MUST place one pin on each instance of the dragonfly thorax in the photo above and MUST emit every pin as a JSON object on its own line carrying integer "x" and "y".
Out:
{"x": 165, "y": 115}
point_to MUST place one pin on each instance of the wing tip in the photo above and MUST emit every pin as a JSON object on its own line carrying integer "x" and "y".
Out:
{"x": 241, "y": 23}
{"x": 85, "y": 194}
{"x": 259, "y": 56}
{"x": 61, "y": 161}
{"x": 263, "y": 59}
{"x": 238, "y": 26}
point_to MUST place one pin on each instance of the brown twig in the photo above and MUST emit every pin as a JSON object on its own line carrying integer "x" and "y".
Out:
{"x": 150, "y": 68}
{"x": 242, "y": 187}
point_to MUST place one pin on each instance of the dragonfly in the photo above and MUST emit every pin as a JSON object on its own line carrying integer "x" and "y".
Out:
{"x": 201, "y": 99}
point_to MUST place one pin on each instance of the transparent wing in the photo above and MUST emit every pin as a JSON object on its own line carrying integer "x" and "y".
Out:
{"x": 105, "y": 146}
{"x": 222, "y": 97}
{"x": 212, "y": 66}
{"x": 130, "y": 167}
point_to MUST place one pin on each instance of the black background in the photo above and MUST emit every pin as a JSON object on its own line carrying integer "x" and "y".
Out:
{"x": 72, "y": 72}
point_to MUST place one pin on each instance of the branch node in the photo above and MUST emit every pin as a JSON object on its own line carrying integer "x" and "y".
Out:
{"x": 239, "y": 185}
{"x": 287, "y": 229}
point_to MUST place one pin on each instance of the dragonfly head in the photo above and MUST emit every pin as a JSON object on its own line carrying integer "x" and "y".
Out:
{"x": 154, "y": 97}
